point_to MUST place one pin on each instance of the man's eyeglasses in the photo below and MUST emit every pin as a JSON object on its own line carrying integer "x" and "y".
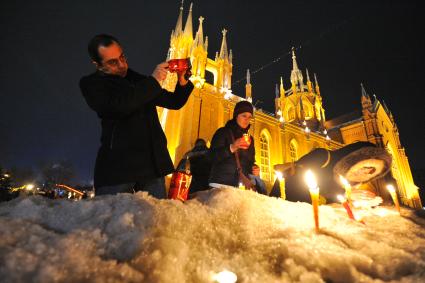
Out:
{"x": 116, "y": 62}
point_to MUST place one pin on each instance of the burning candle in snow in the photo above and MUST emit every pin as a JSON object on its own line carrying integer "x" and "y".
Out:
{"x": 393, "y": 194}
{"x": 279, "y": 176}
{"x": 310, "y": 179}
{"x": 241, "y": 186}
{"x": 347, "y": 187}
{"x": 225, "y": 277}
{"x": 346, "y": 206}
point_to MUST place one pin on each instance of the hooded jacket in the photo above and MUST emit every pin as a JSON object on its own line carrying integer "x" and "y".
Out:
{"x": 224, "y": 169}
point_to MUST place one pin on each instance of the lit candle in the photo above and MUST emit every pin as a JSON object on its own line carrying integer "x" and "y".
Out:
{"x": 346, "y": 206}
{"x": 241, "y": 186}
{"x": 225, "y": 277}
{"x": 279, "y": 176}
{"x": 247, "y": 139}
{"x": 347, "y": 187}
{"x": 393, "y": 194}
{"x": 310, "y": 179}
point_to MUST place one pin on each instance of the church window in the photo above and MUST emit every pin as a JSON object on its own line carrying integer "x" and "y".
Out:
{"x": 293, "y": 151}
{"x": 265, "y": 157}
{"x": 291, "y": 113}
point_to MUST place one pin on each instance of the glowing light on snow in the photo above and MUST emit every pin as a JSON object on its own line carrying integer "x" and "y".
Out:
{"x": 347, "y": 187}
{"x": 225, "y": 277}
{"x": 393, "y": 194}
{"x": 311, "y": 181}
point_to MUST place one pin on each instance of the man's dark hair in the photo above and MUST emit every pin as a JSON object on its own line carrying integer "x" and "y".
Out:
{"x": 96, "y": 42}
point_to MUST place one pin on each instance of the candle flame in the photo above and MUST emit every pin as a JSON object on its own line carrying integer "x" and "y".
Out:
{"x": 310, "y": 179}
{"x": 344, "y": 181}
{"x": 279, "y": 175}
{"x": 340, "y": 198}
{"x": 390, "y": 188}
{"x": 225, "y": 277}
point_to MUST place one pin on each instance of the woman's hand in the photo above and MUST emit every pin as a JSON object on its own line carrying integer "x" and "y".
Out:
{"x": 255, "y": 170}
{"x": 239, "y": 143}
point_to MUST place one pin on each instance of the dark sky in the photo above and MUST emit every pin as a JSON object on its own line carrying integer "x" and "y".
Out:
{"x": 44, "y": 117}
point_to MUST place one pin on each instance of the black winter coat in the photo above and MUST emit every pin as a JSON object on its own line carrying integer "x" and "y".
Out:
{"x": 133, "y": 144}
{"x": 224, "y": 169}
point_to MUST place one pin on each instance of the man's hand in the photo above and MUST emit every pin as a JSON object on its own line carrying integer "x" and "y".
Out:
{"x": 255, "y": 170}
{"x": 184, "y": 77}
{"x": 239, "y": 143}
{"x": 160, "y": 72}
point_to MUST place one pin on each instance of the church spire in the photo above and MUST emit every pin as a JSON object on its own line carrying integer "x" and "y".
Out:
{"x": 294, "y": 60}
{"x": 276, "y": 91}
{"x": 179, "y": 25}
{"x": 188, "y": 27}
{"x": 248, "y": 87}
{"x": 199, "y": 38}
{"x": 309, "y": 83}
{"x": 317, "y": 84}
{"x": 296, "y": 75}
{"x": 282, "y": 89}
{"x": 223, "y": 51}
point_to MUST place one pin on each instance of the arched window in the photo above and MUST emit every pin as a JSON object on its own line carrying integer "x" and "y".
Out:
{"x": 265, "y": 157}
{"x": 293, "y": 150}
{"x": 291, "y": 113}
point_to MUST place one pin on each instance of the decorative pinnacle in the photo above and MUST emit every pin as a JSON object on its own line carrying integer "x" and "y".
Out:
{"x": 294, "y": 61}
{"x": 201, "y": 19}
{"x": 364, "y": 93}
{"x": 308, "y": 76}
{"x": 248, "y": 77}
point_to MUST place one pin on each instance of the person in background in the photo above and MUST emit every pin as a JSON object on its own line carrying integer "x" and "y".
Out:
{"x": 133, "y": 153}
{"x": 200, "y": 166}
{"x": 225, "y": 142}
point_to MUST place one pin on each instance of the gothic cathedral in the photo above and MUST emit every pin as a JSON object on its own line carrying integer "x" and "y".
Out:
{"x": 298, "y": 125}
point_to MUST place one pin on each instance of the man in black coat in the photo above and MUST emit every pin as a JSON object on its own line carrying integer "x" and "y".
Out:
{"x": 133, "y": 154}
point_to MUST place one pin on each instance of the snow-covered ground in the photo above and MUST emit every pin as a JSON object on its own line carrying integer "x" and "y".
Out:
{"x": 135, "y": 238}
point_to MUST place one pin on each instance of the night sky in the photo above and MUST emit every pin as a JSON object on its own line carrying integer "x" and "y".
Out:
{"x": 44, "y": 117}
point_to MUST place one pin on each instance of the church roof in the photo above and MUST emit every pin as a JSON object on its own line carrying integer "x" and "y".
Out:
{"x": 343, "y": 120}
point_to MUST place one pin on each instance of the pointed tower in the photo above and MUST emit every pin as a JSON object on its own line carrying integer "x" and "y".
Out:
{"x": 309, "y": 83}
{"x": 188, "y": 31}
{"x": 282, "y": 88}
{"x": 199, "y": 55}
{"x": 296, "y": 75}
{"x": 277, "y": 102}
{"x": 248, "y": 87}
{"x": 317, "y": 84}
{"x": 224, "y": 65}
{"x": 223, "y": 50}
{"x": 179, "y": 25}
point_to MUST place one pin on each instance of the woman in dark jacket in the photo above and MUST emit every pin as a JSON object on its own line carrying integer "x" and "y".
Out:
{"x": 224, "y": 171}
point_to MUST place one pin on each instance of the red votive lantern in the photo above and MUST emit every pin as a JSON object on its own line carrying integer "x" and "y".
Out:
{"x": 178, "y": 65}
{"x": 179, "y": 186}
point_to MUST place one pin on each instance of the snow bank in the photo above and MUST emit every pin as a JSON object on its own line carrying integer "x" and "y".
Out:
{"x": 136, "y": 238}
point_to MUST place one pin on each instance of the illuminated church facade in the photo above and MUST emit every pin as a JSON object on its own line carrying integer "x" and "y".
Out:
{"x": 297, "y": 126}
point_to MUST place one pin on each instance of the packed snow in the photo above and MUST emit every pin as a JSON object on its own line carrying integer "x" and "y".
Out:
{"x": 251, "y": 237}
